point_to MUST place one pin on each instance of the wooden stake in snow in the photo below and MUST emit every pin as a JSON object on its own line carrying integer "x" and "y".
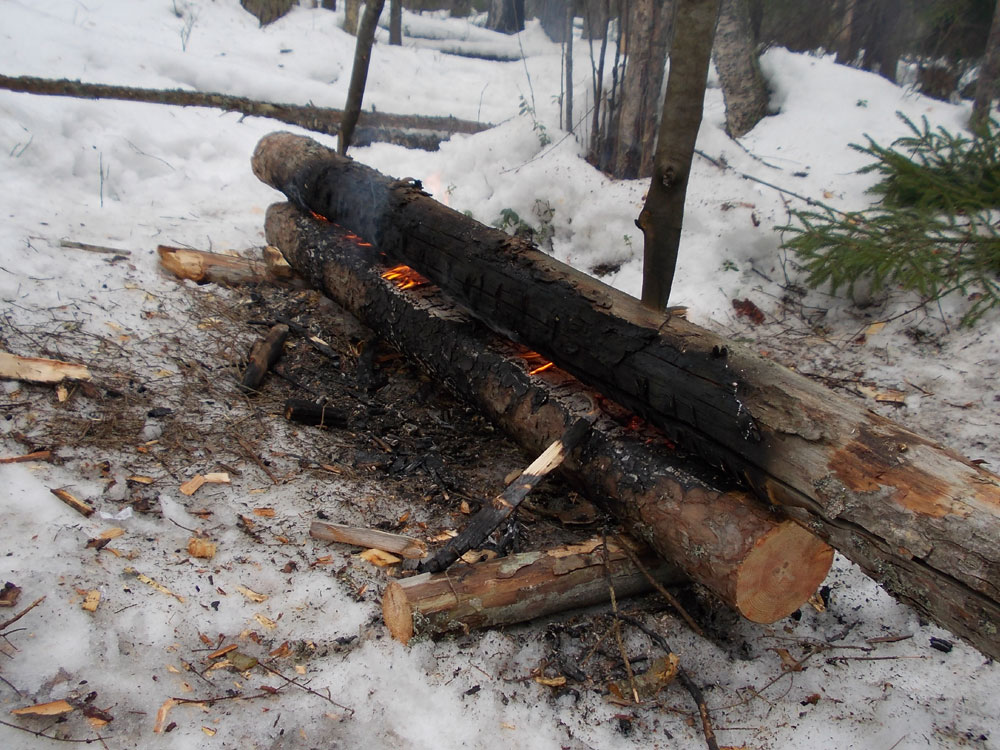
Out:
{"x": 515, "y": 589}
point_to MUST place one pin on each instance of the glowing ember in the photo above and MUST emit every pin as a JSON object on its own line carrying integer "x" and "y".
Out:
{"x": 404, "y": 277}
{"x": 535, "y": 361}
{"x": 318, "y": 217}
{"x": 540, "y": 368}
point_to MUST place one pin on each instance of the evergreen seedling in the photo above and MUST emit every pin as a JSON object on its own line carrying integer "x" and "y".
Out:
{"x": 934, "y": 230}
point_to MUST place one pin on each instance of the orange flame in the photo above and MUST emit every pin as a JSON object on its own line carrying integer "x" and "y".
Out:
{"x": 404, "y": 277}
{"x": 535, "y": 361}
{"x": 319, "y": 217}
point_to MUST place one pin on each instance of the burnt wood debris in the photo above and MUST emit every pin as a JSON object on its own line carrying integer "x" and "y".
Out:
{"x": 920, "y": 519}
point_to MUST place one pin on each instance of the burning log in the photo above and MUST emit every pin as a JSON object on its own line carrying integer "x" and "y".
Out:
{"x": 763, "y": 566}
{"x": 918, "y": 518}
{"x": 516, "y": 588}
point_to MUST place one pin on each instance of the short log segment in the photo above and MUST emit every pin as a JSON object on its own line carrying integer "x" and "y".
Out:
{"x": 763, "y": 566}
{"x": 918, "y": 518}
{"x": 516, "y": 588}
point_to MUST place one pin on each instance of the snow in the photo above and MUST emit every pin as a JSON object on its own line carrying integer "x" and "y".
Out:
{"x": 137, "y": 175}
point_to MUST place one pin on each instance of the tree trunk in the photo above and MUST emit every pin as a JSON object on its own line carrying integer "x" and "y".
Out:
{"x": 568, "y": 65}
{"x": 596, "y": 136}
{"x": 881, "y": 37}
{"x": 411, "y": 131}
{"x": 918, "y": 518}
{"x": 517, "y": 588}
{"x": 989, "y": 71}
{"x": 506, "y": 16}
{"x": 352, "y": 10}
{"x": 663, "y": 213}
{"x": 267, "y": 11}
{"x": 359, "y": 74}
{"x": 736, "y": 60}
{"x": 552, "y": 15}
{"x": 646, "y": 42}
{"x": 761, "y": 565}
{"x": 396, "y": 22}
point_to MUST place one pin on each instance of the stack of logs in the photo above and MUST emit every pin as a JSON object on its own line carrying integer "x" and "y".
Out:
{"x": 918, "y": 518}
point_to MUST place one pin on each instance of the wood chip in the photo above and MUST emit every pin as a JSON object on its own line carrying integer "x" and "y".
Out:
{"x": 201, "y": 548}
{"x": 222, "y": 651}
{"x": 217, "y": 477}
{"x": 91, "y": 600}
{"x": 267, "y": 622}
{"x": 33, "y": 456}
{"x": 153, "y": 584}
{"x": 161, "y": 714}
{"x": 192, "y": 485}
{"x": 113, "y": 533}
{"x": 264, "y": 512}
{"x": 251, "y": 594}
{"x": 52, "y": 708}
{"x": 75, "y": 503}
{"x": 140, "y": 479}
{"x": 379, "y": 557}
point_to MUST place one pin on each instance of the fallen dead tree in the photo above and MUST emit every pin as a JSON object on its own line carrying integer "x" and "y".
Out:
{"x": 918, "y": 518}
{"x": 760, "y": 564}
{"x": 411, "y": 131}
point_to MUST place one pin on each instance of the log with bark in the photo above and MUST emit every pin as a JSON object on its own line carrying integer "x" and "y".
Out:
{"x": 763, "y": 566}
{"x": 517, "y": 588}
{"x": 411, "y": 131}
{"x": 920, "y": 519}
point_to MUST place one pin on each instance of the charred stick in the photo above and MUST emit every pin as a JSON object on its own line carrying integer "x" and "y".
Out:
{"x": 263, "y": 355}
{"x": 493, "y": 514}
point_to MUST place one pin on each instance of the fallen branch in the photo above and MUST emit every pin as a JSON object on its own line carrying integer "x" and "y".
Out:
{"x": 412, "y": 131}
{"x": 515, "y": 589}
{"x": 34, "y": 456}
{"x": 74, "y": 502}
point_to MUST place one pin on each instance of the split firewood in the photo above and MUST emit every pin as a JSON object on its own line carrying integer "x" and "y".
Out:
{"x": 517, "y": 588}
{"x": 405, "y": 546}
{"x": 764, "y": 566}
{"x": 36, "y": 370}
{"x": 309, "y": 412}
{"x": 276, "y": 264}
{"x": 204, "y": 267}
{"x": 492, "y": 514}
{"x": 263, "y": 355}
{"x": 74, "y": 502}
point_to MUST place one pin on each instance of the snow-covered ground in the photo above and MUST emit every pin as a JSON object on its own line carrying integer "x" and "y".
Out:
{"x": 133, "y": 176}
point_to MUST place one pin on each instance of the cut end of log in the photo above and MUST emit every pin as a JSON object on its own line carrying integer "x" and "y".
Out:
{"x": 397, "y": 613}
{"x": 782, "y": 571}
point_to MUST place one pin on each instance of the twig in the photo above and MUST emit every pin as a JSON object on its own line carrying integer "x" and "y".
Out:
{"x": 22, "y": 613}
{"x": 616, "y": 627}
{"x": 671, "y": 599}
{"x": 300, "y": 686}
{"x": 686, "y": 681}
{"x": 93, "y": 248}
{"x": 36, "y": 733}
{"x": 256, "y": 459}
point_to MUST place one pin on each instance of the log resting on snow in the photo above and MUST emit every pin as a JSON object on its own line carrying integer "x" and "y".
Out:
{"x": 517, "y": 588}
{"x": 410, "y": 131}
{"x": 920, "y": 519}
{"x": 760, "y": 564}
